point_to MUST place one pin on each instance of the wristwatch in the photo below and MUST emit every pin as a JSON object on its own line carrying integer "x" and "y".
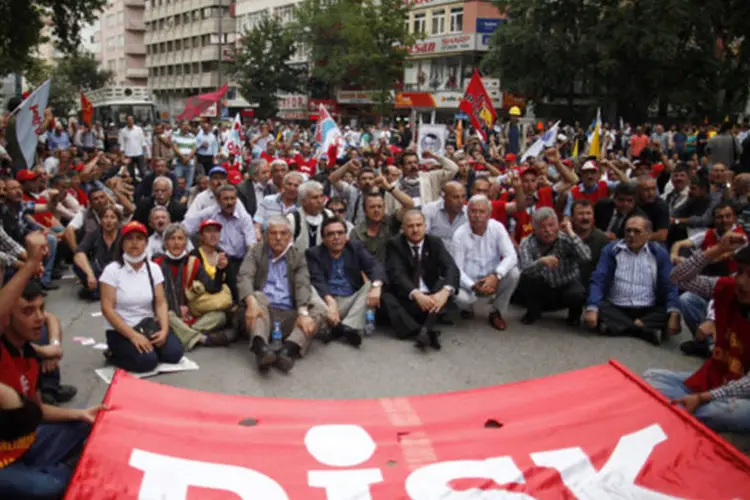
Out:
{"x": 377, "y": 284}
{"x": 54, "y": 342}
{"x": 303, "y": 311}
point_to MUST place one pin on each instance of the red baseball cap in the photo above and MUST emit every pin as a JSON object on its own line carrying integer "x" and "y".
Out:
{"x": 26, "y": 175}
{"x": 510, "y": 157}
{"x": 209, "y": 223}
{"x": 589, "y": 165}
{"x": 528, "y": 170}
{"x": 134, "y": 226}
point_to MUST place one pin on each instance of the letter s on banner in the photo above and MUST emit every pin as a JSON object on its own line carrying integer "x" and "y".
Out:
{"x": 431, "y": 481}
{"x": 168, "y": 478}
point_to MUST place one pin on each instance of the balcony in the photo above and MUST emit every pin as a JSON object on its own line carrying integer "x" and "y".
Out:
{"x": 135, "y": 3}
{"x": 137, "y": 49}
{"x": 135, "y": 25}
{"x": 136, "y": 73}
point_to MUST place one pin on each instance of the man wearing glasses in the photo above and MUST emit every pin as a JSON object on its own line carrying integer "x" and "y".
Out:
{"x": 336, "y": 269}
{"x": 630, "y": 291}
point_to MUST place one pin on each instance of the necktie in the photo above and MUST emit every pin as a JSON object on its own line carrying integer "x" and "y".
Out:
{"x": 614, "y": 224}
{"x": 417, "y": 263}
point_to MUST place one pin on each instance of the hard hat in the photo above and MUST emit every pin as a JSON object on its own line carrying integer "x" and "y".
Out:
{"x": 515, "y": 111}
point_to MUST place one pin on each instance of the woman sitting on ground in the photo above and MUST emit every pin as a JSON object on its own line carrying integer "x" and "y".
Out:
{"x": 96, "y": 251}
{"x": 182, "y": 273}
{"x": 135, "y": 307}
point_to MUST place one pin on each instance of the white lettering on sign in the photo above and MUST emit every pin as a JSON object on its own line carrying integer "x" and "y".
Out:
{"x": 168, "y": 478}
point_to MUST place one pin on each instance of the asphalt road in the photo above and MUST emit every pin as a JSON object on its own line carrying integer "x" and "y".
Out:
{"x": 473, "y": 355}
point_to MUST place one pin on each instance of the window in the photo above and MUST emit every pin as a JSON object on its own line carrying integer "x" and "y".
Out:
{"x": 169, "y": 46}
{"x": 420, "y": 23}
{"x": 457, "y": 19}
{"x": 178, "y": 45}
{"x": 438, "y": 22}
{"x": 285, "y": 13}
{"x": 187, "y": 69}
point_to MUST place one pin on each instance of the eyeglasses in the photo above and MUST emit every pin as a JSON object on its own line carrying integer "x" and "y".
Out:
{"x": 338, "y": 210}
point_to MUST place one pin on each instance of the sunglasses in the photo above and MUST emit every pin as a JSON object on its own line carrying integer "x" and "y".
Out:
{"x": 338, "y": 210}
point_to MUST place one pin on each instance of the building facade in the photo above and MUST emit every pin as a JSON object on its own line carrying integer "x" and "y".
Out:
{"x": 185, "y": 40}
{"x": 120, "y": 41}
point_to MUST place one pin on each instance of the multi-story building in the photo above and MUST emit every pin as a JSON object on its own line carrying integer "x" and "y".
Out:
{"x": 120, "y": 41}
{"x": 185, "y": 40}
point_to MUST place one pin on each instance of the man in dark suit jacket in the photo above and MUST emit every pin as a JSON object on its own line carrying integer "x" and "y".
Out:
{"x": 422, "y": 278}
{"x": 255, "y": 186}
{"x": 610, "y": 214}
{"x": 162, "y": 196}
{"x": 336, "y": 269}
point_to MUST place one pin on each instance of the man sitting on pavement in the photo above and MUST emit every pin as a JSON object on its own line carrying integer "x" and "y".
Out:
{"x": 336, "y": 269}
{"x": 550, "y": 268}
{"x": 630, "y": 291}
{"x": 307, "y": 220}
{"x": 718, "y": 394}
{"x": 423, "y": 277}
{"x": 610, "y": 214}
{"x": 378, "y": 227}
{"x": 484, "y": 253}
{"x": 162, "y": 197}
{"x": 274, "y": 286}
{"x": 583, "y": 225}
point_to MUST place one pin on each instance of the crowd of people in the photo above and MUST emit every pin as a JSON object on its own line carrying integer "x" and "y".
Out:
{"x": 188, "y": 243}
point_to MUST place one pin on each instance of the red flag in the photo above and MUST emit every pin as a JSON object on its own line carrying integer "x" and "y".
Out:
{"x": 478, "y": 105}
{"x": 87, "y": 110}
{"x": 197, "y": 104}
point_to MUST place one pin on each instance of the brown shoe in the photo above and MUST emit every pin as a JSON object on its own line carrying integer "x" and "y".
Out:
{"x": 216, "y": 339}
{"x": 496, "y": 321}
{"x": 467, "y": 314}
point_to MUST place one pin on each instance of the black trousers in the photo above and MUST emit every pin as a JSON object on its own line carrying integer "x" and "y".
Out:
{"x": 621, "y": 320}
{"x": 137, "y": 167}
{"x": 203, "y": 164}
{"x": 406, "y": 317}
{"x": 539, "y": 297}
{"x": 233, "y": 269}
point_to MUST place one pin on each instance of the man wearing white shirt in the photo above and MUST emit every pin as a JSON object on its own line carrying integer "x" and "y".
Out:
{"x": 217, "y": 177}
{"x": 133, "y": 145}
{"x": 485, "y": 255}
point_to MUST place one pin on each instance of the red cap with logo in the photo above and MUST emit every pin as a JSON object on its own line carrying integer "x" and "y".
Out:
{"x": 209, "y": 223}
{"x": 26, "y": 175}
{"x": 134, "y": 226}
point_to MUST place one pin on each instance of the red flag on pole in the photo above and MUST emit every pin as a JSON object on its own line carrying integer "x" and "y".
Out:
{"x": 87, "y": 110}
{"x": 478, "y": 105}
{"x": 197, "y": 104}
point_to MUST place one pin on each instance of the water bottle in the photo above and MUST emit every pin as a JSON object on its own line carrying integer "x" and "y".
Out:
{"x": 369, "y": 322}
{"x": 276, "y": 336}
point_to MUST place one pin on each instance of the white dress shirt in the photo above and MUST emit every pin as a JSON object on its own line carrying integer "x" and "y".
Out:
{"x": 132, "y": 141}
{"x": 478, "y": 256}
{"x": 206, "y": 199}
{"x": 634, "y": 281}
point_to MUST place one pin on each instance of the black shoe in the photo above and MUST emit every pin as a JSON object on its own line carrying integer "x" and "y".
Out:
{"x": 216, "y": 339}
{"x": 351, "y": 335}
{"x": 443, "y": 319}
{"x": 334, "y": 333}
{"x": 49, "y": 398}
{"x": 65, "y": 393}
{"x": 467, "y": 314}
{"x": 266, "y": 357}
{"x": 695, "y": 348}
{"x": 284, "y": 360}
{"x": 434, "y": 342}
{"x": 50, "y": 286}
{"x": 529, "y": 318}
{"x": 422, "y": 339}
{"x": 57, "y": 274}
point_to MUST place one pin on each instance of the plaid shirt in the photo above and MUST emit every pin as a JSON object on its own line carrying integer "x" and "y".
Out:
{"x": 9, "y": 249}
{"x": 687, "y": 275}
{"x": 569, "y": 250}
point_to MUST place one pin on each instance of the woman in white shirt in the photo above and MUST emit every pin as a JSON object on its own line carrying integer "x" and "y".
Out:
{"x": 132, "y": 290}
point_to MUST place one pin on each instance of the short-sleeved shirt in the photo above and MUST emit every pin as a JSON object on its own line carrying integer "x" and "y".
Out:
{"x": 96, "y": 250}
{"x": 658, "y": 213}
{"x": 133, "y": 293}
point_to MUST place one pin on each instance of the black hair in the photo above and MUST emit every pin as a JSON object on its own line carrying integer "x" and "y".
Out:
{"x": 373, "y": 194}
{"x": 624, "y": 189}
{"x": 13, "y": 103}
{"x": 32, "y": 290}
{"x": 701, "y": 181}
{"x": 402, "y": 160}
{"x": 329, "y": 221}
{"x": 337, "y": 200}
{"x": 365, "y": 170}
{"x": 581, "y": 203}
{"x": 682, "y": 167}
{"x": 725, "y": 127}
{"x": 722, "y": 206}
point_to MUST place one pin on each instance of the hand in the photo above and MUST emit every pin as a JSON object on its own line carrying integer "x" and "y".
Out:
{"x": 91, "y": 282}
{"x": 673, "y": 325}
{"x": 223, "y": 261}
{"x": 50, "y": 365}
{"x": 159, "y": 338}
{"x": 591, "y": 318}
{"x": 440, "y": 299}
{"x": 611, "y": 236}
{"x": 427, "y": 154}
{"x": 373, "y": 297}
{"x": 141, "y": 343}
{"x": 89, "y": 414}
{"x": 552, "y": 155}
{"x": 425, "y": 302}
{"x": 691, "y": 402}
{"x": 381, "y": 182}
{"x": 566, "y": 226}
{"x": 676, "y": 259}
{"x": 306, "y": 324}
{"x": 705, "y": 330}
{"x": 39, "y": 271}
{"x": 37, "y": 246}
{"x": 252, "y": 313}
{"x": 489, "y": 284}
{"x": 730, "y": 242}
{"x": 550, "y": 261}
{"x": 333, "y": 316}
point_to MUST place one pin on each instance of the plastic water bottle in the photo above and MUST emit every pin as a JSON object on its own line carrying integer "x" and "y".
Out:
{"x": 276, "y": 336}
{"x": 369, "y": 322}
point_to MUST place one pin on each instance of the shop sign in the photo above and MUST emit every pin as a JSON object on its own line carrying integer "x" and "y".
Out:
{"x": 292, "y": 101}
{"x": 416, "y": 4}
{"x": 487, "y": 25}
{"x": 443, "y": 44}
{"x": 355, "y": 96}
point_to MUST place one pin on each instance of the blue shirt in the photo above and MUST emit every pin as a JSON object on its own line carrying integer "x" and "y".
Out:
{"x": 277, "y": 284}
{"x": 338, "y": 283}
{"x": 211, "y": 148}
{"x": 237, "y": 231}
{"x": 55, "y": 142}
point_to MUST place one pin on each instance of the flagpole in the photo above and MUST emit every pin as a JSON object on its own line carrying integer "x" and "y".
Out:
{"x": 30, "y": 96}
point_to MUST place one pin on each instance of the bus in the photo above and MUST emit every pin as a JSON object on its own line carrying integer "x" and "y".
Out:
{"x": 112, "y": 105}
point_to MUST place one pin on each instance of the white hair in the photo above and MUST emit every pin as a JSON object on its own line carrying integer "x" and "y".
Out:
{"x": 163, "y": 178}
{"x": 542, "y": 214}
{"x": 289, "y": 175}
{"x": 480, "y": 198}
{"x": 307, "y": 188}
{"x": 279, "y": 162}
{"x": 279, "y": 220}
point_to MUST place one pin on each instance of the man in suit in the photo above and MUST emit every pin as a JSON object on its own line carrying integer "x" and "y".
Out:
{"x": 256, "y": 186}
{"x": 162, "y": 196}
{"x": 274, "y": 285}
{"x": 610, "y": 214}
{"x": 336, "y": 269}
{"x": 423, "y": 277}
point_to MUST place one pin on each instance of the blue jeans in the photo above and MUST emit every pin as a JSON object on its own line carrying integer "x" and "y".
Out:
{"x": 127, "y": 357}
{"x": 725, "y": 415}
{"x": 694, "y": 309}
{"x": 186, "y": 171}
{"x": 43, "y": 472}
{"x": 49, "y": 263}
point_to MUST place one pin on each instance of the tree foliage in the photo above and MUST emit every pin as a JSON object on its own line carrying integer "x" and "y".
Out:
{"x": 22, "y": 23}
{"x": 687, "y": 57}
{"x": 71, "y": 75}
{"x": 261, "y": 66}
{"x": 356, "y": 43}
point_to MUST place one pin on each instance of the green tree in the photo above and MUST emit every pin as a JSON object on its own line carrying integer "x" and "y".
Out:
{"x": 71, "y": 75}
{"x": 22, "y": 23}
{"x": 360, "y": 43}
{"x": 261, "y": 66}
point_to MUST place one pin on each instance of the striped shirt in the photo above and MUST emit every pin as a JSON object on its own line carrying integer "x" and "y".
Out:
{"x": 570, "y": 251}
{"x": 185, "y": 142}
{"x": 634, "y": 279}
{"x": 687, "y": 276}
{"x": 272, "y": 205}
{"x": 438, "y": 223}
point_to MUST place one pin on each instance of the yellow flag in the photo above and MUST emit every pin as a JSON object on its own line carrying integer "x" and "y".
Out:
{"x": 575, "y": 148}
{"x": 595, "y": 143}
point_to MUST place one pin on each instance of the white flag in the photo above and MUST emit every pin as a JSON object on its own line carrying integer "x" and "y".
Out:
{"x": 30, "y": 120}
{"x": 546, "y": 141}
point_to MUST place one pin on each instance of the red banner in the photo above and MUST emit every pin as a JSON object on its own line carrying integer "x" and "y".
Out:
{"x": 478, "y": 105}
{"x": 197, "y": 104}
{"x": 596, "y": 433}
{"x": 87, "y": 110}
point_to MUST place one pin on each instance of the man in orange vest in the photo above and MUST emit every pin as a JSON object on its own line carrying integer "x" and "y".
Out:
{"x": 592, "y": 187}
{"x": 718, "y": 394}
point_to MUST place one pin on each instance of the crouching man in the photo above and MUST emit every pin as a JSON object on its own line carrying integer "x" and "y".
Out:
{"x": 274, "y": 287}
